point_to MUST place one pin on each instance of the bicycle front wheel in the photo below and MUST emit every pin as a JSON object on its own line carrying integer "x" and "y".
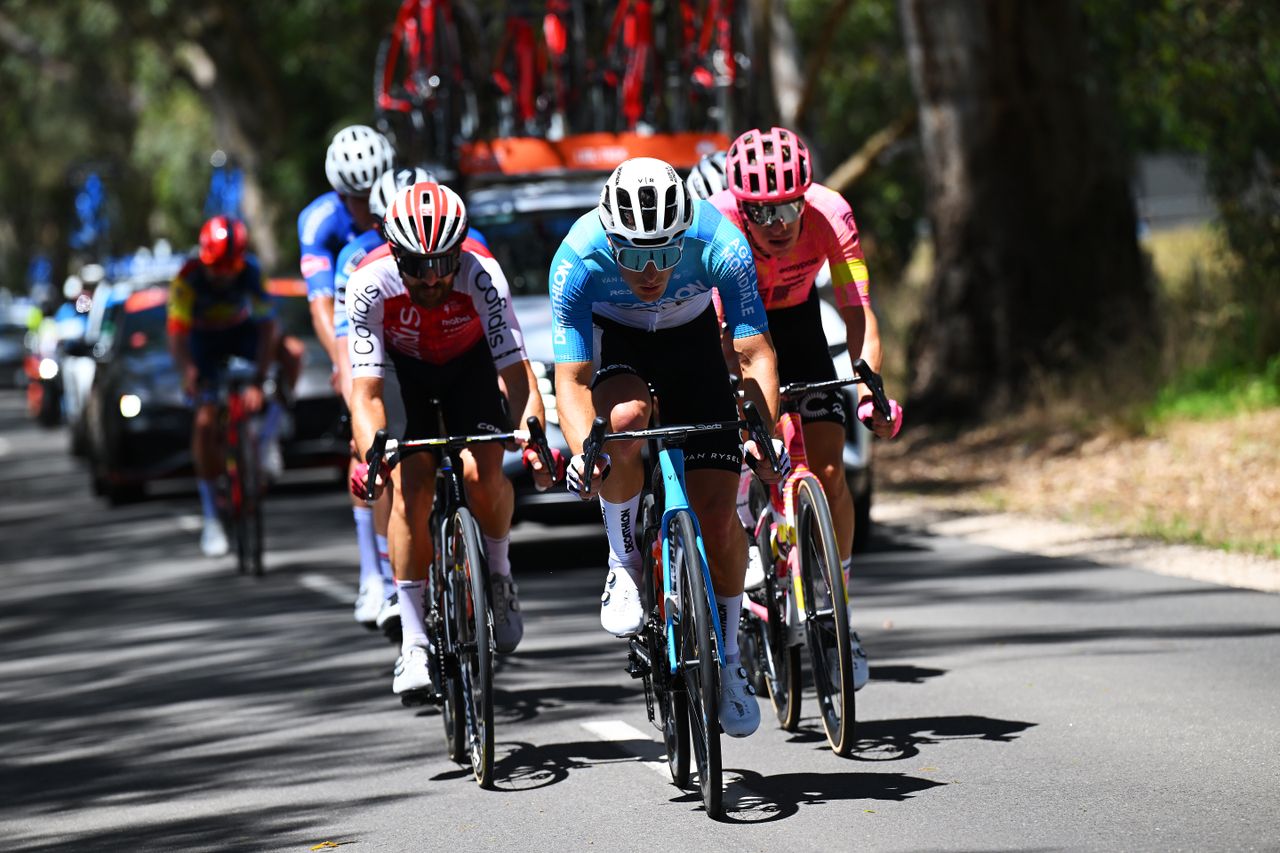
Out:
{"x": 673, "y": 703}
{"x": 474, "y": 632}
{"x": 697, "y": 660}
{"x": 826, "y": 618}
{"x": 244, "y": 476}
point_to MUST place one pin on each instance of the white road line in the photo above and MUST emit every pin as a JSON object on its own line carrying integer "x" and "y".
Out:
{"x": 190, "y": 523}
{"x": 616, "y": 731}
{"x": 5, "y": 446}
{"x": 326, "y": 585}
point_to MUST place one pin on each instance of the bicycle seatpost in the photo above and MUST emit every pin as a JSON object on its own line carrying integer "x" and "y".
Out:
{"x": 374, "y": 458}
{"x": 538, "y": 438}
{"x": 875, "y": 384}
{"x": 760, "y": 433}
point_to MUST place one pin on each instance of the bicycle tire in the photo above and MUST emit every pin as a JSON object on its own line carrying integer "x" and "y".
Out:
{"x": 474, "y": 621}
{"x": 826, "y": 619}
{"x": 673, "y": 705}
{"x": 253, "y": 491}
{"x": 784, "y": 676}
{"x": 444, "y": 635}
{"x": 698, "y": 662}
{"x": 237, "y": 493}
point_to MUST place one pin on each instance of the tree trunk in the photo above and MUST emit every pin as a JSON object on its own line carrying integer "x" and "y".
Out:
{"x": 1037, "y": 269}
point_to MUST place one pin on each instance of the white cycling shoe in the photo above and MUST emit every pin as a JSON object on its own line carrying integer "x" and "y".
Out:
{"x": 412, "y": 672}
{"x": 213, "y": 539}
{"x": 739, "y": 710}
{"x": 621, "y": 612}
{"x": 861, "y": 670}
{"x": 388, "y": 619}
{"x": 369, "y": 601}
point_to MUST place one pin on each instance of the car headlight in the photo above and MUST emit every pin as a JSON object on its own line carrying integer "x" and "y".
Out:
{"x": 48, "y": 369}
{"x": 130, "y": 405}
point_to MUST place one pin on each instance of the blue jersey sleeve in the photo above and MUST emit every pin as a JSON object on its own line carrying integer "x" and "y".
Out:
{"x": 570, "y": 281}
{"x": 473, "y": 234}
{"x": 728, "y": 259}
{"x": 324, "y": 226}
{"x": 348, "y": 259}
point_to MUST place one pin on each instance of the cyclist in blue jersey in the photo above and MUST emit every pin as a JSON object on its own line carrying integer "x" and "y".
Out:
{"x": 631, "y": 308}
{"x": 357, "y": 156}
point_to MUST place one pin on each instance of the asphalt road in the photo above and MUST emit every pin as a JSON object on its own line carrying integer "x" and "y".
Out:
{"x": 152, "y": 700}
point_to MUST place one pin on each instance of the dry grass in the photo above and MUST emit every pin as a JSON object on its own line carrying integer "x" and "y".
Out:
{"x": 1214, "y": 483}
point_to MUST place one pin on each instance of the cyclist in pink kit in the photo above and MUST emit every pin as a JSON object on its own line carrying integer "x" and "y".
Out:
{"x": 794, "y": 226}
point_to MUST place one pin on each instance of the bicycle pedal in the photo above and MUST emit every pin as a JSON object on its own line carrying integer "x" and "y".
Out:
{"x": 417, "y": 698}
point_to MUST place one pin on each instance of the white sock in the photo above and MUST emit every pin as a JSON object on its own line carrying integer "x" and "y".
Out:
{"x": 730, "y": 607}
{"x": 620, "y": 523}
{"x": 413, "y": 626}
{"x": 499, "y": 555}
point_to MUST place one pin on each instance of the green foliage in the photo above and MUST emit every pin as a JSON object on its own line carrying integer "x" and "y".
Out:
{"x": 1218, "y": 391}
{"x": 864, "y": 86}
{"x": 1205, "y": 77}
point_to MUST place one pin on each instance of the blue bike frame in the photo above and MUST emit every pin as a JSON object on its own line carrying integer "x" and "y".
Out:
{"x": 671, "y": 463}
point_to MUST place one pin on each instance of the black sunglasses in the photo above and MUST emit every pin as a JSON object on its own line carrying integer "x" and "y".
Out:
{"x": 417, "y": 266}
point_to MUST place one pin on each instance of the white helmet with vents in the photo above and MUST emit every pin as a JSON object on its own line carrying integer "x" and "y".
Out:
{"x": 706, "y": 178}
{"x": 357, "y": 157}
{"x": 392, "y": 181}
{"x": 645, "y": 203}
{"x": 426, "y": 219}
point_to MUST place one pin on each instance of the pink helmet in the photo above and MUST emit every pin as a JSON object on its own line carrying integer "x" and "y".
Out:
{"x": 768, "y": 166}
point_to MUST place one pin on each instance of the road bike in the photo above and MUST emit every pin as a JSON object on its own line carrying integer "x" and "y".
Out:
{"x": 803, "y": 600}
{"x": 458, "y": 613}
{"x": 679, "y": 649}
{"x": 423, "y": 83}
{"x": 243, "y": 484}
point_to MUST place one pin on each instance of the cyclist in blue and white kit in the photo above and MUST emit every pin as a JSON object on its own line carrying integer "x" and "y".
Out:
{"x": 357, "y": 156}
{"x": 631, "y": 307}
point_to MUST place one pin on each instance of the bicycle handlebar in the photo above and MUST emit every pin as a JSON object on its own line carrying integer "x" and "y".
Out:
{"x": 538, "y": 441}
{"x": 753, "y": 423}
{"x": 375, "y": 459}
{"x": 874, "y": 384}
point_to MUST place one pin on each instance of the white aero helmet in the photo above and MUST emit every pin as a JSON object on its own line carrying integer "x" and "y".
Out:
{"x": 357, "y": 156}
{"x": 706, "y": 178}
{"x": 645, "y": 203}
{"x": 426, "y": 219}
{"x": 391, "y": 182}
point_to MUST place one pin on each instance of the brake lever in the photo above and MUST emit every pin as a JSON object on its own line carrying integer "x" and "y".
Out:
{"x": 375, "y": 459}
{"x": 761, "y": 435}
{"x": 875, "y": 385}
{"x": 538, "y": 438}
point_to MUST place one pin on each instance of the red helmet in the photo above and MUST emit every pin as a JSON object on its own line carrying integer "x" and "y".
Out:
{"x": 223, "y": 241}
{"x": 768, "y": 166}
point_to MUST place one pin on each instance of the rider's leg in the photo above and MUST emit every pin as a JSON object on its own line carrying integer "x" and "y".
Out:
{"x": 625, "y": 399}
{"x": 491, "y": 500}
{"x": 824, "y": 445}
{"x": 409, "y": 537}
{"x": 204, "y": 455}
{"x": 289, "y": 352}
{"x": 711, "y": 494}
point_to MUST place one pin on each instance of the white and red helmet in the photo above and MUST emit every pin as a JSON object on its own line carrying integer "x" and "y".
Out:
{"x": 426, "y": 219}
{"x": 768, "y": 166}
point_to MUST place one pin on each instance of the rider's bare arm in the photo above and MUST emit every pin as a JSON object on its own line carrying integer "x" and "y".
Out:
{"x": 518, "y": 379}
{"x": 759, "y": 373}
{"x": 573, "y": 392}
{"x": 368, "y": 415}
{"x": 322, "y": 321}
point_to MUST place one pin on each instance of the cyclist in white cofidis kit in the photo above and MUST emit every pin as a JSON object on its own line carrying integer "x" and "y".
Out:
{"x": 631, "y": 306}
{"x": 794, "y": 226}
{"x": 436, "y": 305}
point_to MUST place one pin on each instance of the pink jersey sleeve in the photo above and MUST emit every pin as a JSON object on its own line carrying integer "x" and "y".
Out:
{"x": 849, "y": 276}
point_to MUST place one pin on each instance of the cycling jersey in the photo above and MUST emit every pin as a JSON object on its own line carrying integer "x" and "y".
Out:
{"x": 382, "y": 316}
{"x": 584, "y": 279}
{"x": 349, "y": 259}
{"x": 198, "y": 302}
{"x": 827, "y": 233}
{"x": 324, "y": 227}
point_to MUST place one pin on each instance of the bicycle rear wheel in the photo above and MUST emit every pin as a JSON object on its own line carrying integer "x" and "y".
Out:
{"x": 697, "y": 661}
{"x": 777, "y": 656}
{"x": 474, "y": 623}
{"x": 826, "y": 619}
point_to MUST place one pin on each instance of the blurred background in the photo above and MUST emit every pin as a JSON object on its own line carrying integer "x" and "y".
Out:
{"x": 1070, "y": 208}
